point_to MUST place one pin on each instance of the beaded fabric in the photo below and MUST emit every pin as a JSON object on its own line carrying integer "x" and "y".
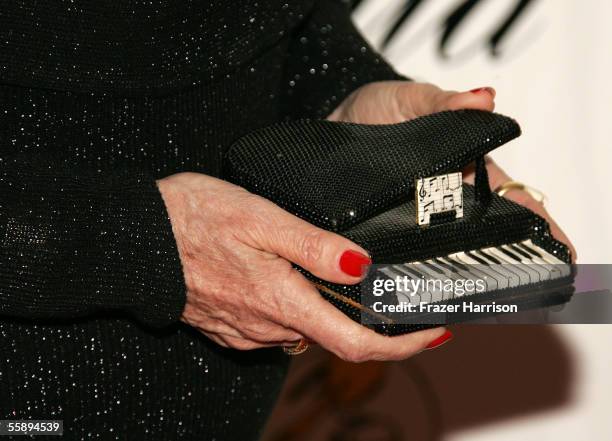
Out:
{"x": 97, "y": 101}
{"x": 359, "y": 180}
{"x": 337, "y": 174}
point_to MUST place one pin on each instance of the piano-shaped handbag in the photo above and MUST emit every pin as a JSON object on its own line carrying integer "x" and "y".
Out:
{"x": 396, "y": 191}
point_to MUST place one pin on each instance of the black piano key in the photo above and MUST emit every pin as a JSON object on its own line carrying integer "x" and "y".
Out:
{"x": 477, "y": 258}
{"x": 446, "y": 265}
{"x": 518, "y": 250}
{"x": 493, "y": 278}
{"x": 530, "y": 250}
{"x": 490, "y": 257}
{"x": 499, "y": 268}
{"x": 411, "y": 271}
{"x": 434, "y": 268}
{"x": 524, "y": 274}
{"x": 511, "y": 255}
{"x": 457, "y": 264}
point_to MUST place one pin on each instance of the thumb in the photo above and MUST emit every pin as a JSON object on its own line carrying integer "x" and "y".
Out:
{"x": 327, "y": 255}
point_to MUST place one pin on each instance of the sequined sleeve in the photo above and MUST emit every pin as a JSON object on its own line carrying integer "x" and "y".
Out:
{"x": 328, "y": 59}
{"x": 73, "y": 244}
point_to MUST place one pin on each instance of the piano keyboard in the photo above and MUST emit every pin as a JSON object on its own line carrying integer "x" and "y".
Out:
{"x": 507, "y": 266}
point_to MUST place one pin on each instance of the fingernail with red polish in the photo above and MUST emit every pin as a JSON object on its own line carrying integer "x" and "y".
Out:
{"x": 447, "y": 336}
{"x": 488, "y": 90}
{"x": 353, "y": 262}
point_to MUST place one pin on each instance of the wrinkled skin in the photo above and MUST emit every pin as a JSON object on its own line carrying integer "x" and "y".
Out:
{"x": 236, "y": 248}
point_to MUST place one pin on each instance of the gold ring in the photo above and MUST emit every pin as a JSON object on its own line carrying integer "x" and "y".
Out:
{"x": 299, "y": 348}
{"x": 515, "y": 185}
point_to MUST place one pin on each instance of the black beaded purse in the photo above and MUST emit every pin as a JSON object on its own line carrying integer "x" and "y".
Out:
{"x": 394, "y": 190}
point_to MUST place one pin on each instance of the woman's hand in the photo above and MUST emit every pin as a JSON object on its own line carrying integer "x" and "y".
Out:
{"x": 498, "y": 177}
{"x": 389, "y": 102}
{"x": 242, "y": 291}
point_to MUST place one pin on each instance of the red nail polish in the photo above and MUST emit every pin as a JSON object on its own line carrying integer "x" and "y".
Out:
{"x": 440, "y": 340}
{"x": 353, "y": 262}
{"x": 489, "y": 90}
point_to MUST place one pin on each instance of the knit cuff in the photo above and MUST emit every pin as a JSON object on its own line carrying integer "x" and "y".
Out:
{"x": 147, "y": 264}
{"x": 74, "y": 244}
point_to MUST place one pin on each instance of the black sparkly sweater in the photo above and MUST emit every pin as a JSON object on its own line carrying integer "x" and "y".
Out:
{"x": 97, "y": 101}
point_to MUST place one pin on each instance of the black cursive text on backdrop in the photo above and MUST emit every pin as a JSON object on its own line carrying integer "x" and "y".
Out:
{"x": 454, "y": 18}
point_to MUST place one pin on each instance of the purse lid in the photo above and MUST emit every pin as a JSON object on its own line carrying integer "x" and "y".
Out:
{"x": 336, "y": 175}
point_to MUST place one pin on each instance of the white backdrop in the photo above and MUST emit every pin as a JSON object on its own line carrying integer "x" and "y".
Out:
{"x": 554, "y": 77}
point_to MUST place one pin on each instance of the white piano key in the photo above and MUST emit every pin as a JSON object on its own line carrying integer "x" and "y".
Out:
{"x": 488, "y": 256}
{"x": 457, "y": 274}
{"x": 531, "y": 251}
{"x": 480, "y": 260}
{"x": 501, "y": 267}
{"x": 521, "y": 252}
{"x": 529, "y": 275}
{"x": 529, "y": 245}
{"x": 553, "y": 270}
{"x": 504, "y": 280}
{"x": 393, "y": 275}
{"x": 445, "y": 275}
{"x": 542, "y": 271}
{"x": 436, "y": 294}
{"x": 465, "y": 272}
{"x": 521, "y": 277}
{"x": 513, "y": 279}
{"x": 442, "y": 268}
{"x": 419, "y": 296}
{"x": 549, "y": 258}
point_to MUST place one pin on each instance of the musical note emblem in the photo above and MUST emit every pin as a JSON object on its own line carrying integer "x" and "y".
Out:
{"x": 439, "y": 194}
{"x": 422, "y": 191}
